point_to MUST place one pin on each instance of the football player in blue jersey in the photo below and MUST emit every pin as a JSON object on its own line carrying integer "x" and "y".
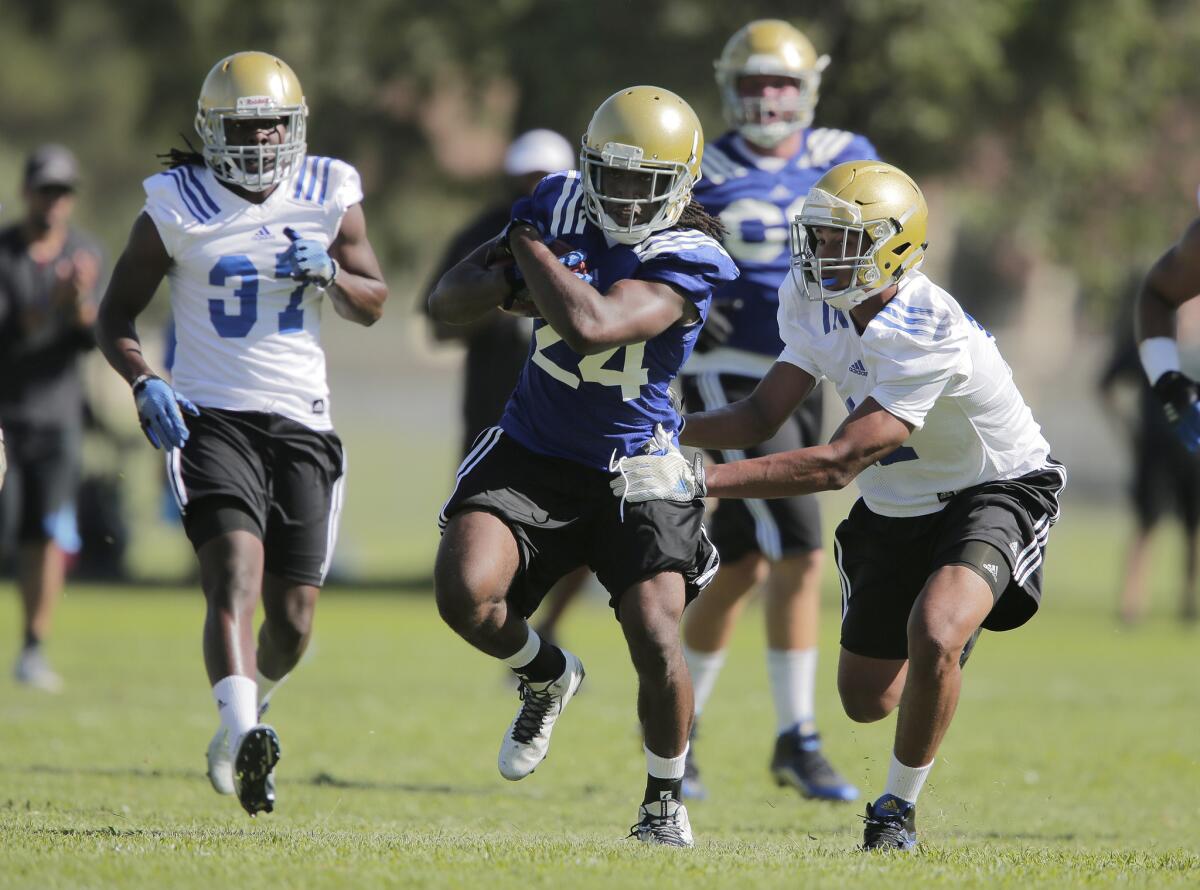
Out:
{"x": 755, "y": 180}
{"x": 616, "y": 316}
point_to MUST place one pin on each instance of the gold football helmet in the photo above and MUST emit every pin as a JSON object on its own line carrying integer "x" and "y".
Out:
{"x": 640, "y": 158}
{"x": 882, "y": 216}
{"x": 250, "y": 85}
{"x": 769, "y": 46}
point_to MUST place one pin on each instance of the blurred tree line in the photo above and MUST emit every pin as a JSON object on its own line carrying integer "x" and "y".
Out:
{"x": 1061, "y": 129}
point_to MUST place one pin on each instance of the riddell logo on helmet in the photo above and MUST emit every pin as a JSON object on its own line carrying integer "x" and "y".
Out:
{"x": 250, "y": 103}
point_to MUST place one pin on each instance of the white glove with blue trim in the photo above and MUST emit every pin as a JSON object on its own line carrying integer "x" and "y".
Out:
{"x": 663, "y": 474}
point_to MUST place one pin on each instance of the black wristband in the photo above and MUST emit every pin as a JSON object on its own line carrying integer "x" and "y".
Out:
{"x": 1177, "y": 392}
{"x": 140, "y": 382}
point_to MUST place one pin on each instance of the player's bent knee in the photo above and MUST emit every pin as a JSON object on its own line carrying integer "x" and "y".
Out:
{"x": 866, "y": 706}
{"x": 934, "y": 645}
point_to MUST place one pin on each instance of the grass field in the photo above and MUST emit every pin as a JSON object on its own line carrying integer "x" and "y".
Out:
{"x": 1073, "y": 760}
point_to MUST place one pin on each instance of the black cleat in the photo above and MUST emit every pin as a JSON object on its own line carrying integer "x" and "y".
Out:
{"x": 799, "y": 763}
{"x": 890, "y": 824}
{"x": 254, "y": 769}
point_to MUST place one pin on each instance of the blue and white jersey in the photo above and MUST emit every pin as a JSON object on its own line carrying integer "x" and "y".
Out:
{"x": 249, "y": 336}
{"x": 585, "y": 408}
{"x": 927, "y": 362}
{"x": 757, "y": 198}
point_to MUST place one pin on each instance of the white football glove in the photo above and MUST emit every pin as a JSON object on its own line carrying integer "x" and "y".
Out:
{"x": 659, "y": 477}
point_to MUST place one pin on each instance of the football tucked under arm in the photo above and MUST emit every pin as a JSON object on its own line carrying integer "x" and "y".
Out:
{"x": 518, "y": 302}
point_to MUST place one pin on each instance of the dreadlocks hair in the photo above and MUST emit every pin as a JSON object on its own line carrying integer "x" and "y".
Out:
{"x": 178, "y": 157}
{"x": 696, "y": 217}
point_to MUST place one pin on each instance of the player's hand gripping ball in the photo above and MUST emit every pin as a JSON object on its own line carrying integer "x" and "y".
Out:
{"x": 518, "y": 302}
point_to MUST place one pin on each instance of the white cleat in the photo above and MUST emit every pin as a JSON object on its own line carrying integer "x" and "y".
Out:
{"x": 220, "y": 762}
{"x": 664, "y": 822}
{"x": 528, "y": 737}
{"x": 220, "y": 758}
{"x": 34, "y": 671}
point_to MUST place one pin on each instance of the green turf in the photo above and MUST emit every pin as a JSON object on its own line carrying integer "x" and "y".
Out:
{"x": 1072, "y": 762}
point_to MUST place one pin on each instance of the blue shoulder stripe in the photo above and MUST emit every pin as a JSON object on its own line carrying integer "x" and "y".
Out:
{"x": 185, "y": 195}
{"x": 325, "y": 180}
{"x": 915, "y": 320}
{"x": 199, "y": 186}
{"x": 888, "y": 322}
{"x": 312, "y": 181}
{"x": 302, "y": 180}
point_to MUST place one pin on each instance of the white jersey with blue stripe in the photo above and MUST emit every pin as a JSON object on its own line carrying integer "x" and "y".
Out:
{"x": 926, "y": 361}
{"x": 756, "y": 198}
{"x": 588, "y": 408}
{"x": 248, "y": 334}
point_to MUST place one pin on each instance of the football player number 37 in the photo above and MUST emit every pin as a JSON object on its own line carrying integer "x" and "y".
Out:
{"x": 631, "y": 378}
{"x": 239, "y": 323}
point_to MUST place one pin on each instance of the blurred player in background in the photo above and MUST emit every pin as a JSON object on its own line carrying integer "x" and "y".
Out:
{"x": 48, "y": 276}
{"x": 252, "y": 236}
{"x": 1173, "y": 280}
{"x": 497, "y": 343}
{"x": 755, "y": 180}
{"x": 618, "y": 304}
{"x": 1165, "y": 479}
{"x": 958, "y": 487}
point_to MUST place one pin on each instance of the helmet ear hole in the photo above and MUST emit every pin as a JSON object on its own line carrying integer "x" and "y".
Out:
{"x": 899, "y": 249}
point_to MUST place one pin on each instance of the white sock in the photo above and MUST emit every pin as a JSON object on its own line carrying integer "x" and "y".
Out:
{"x": 905, "y": 781}
{"x": 665, "y": 767}
{"x": 267, "y": 687}
{"x": 235, "y": 697}
{"x": 793, "y": 674}
{"x": 704, "y": 668}
{"x": 526, "y": 653}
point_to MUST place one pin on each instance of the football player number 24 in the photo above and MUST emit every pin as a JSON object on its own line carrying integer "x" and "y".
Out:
{"x": 239, "y": 323}
{"x": 631, "y": 378}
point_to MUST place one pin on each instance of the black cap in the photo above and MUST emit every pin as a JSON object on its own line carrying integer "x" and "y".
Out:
{"x": 51, "y": 165}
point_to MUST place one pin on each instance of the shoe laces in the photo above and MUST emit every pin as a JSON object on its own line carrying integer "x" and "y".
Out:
{"x": 666, "y": 828}
{"x": 534, "y": 710}
{"x": 886, "y": 832}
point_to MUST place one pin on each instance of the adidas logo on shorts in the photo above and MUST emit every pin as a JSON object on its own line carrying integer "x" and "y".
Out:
{"x": 994, "y": 571}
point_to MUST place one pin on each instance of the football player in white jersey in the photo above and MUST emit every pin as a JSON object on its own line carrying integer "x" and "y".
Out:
{"x": 755, "y": 179}
{"x": 251, "y": 235}
{"x": 958, "y": 487}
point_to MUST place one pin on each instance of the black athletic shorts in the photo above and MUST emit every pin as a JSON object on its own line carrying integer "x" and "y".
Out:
{"x": 37, "y": 501}
{"x": 774, "y": 527}
{"x": 564, "y": 515}
{"x": 265, "y": 474}
{"x": 884, "y": 561}
{"x": 1166, "y": 480}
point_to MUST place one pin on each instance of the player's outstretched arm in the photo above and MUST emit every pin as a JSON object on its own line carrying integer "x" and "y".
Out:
{"x": 139, "y": 270}
{"x": 632, "y": 311}
{"x": 868, "y": 434}
{"x": 469, "y": 289}
{"x": 755, "y": 418}
{"x": 358, "y": 290}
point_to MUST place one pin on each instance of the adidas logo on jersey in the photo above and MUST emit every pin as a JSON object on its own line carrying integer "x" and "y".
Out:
{"x": 262, "y": 234}
{"x": 858, "y": 368}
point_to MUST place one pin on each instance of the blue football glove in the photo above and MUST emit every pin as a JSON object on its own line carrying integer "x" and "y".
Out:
{"x": 309, "y": 260}
{"x": 516, "y": 281}
{"x": 1180, "y": 397}
{"x": 158, "y": 410}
